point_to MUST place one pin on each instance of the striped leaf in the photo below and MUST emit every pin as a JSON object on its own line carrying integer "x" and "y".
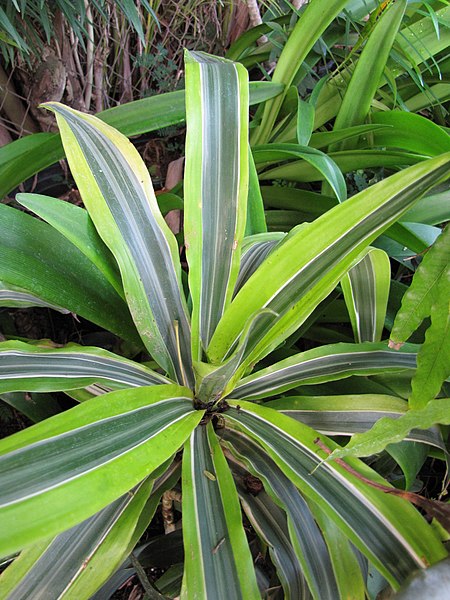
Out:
{"x": 28, "y": 155}
{"x": 350, "y": 414}
{"x": 269, "y": 521}
{"x": 117, "y": 191}
{"x": 255, "y": 250}
{"x": 325, "y": 363}
{"x": 388, "y": 430}
{"x": 79, "y": 461}
{"x": 13, "y": 296}
{"x": 37, "y": 368}
{"x": 75, "y": 224}
{"x": 386, "y": 529}
{"x": 307, "y": 540}
{"x": 366, "y": 293}
{"x": 299, "y": 274}
{"x": 218, "y": 563}
{"x": 75, "y": 561}
{"x": 216, "y": 186}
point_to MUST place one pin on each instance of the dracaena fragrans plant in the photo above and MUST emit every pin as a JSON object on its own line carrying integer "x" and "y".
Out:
{"x": 78, "y": 489}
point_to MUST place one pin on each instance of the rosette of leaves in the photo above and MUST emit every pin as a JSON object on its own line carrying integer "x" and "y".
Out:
{"x": 78, "y": 489}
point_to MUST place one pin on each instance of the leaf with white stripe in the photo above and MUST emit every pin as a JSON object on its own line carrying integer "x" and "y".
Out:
{"x": 366, "y": 293}
{"x": 13, "y": 296}
{"x": 326, "y": 363}
{"x": 218, "y": 563}
{"x": 386, "y": 529}
{"x": 303, "y": 270}
{"x": 76, "y": 557}
{"x": 61, "y": 471}
{"x": 306, "y": 537}
{"x": 216, "y": 186}
{"x": 117, "y": 191}
{"x": 37, "y": 368}
{"x": 350, "y": 414}
{"x": 255, "y": 249}
{"x": 269, "y": 521}
{"x": 388, "y": 431}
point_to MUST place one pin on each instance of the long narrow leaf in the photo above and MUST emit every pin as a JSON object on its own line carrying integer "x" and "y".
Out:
{"x": 215, "y": 187}
{"x": 305, "y": 269}
{"x": 117, "y": 190}
{"x": 386, "y": 529}
{"x": 366, "y": 293}
{"x": 327, "y": 363}
{"x": 55, "y": 464}
{"x": 218, "y": 563}
{"x": 36, "y": 368}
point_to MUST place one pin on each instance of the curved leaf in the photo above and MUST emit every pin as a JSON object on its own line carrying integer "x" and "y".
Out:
{"x": 27, "y": 367}
{"x": 299, "y": 274}
{"x": 13, "y": 296}
{"x": 384, "y": 528}
{"x": 30, "y": 259}
{"x": 326, "y": 363}
{"x": 118, "y": 193}
{"x": 79, "y": 461}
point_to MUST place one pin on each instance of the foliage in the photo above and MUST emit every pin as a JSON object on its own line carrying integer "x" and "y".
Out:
{"x": 103, "y": 465}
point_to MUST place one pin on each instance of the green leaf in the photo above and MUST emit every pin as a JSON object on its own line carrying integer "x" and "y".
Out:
{"x": 117, "y": 191}
{"x": 73, "y": 283}
{"x": 308, "y": 542}
{"x": 36, "y": 407}
{"x": 346, "y": 161}
{"x": 56, "y": 464}
{"x": 315, "y": 158}
{"x": 26, "y": 156}
{"x": 325, "y": 363}
{"x": 384, "y": 528}
{"x": 303, "y": 270}
{"x": 79, "y": 560}
{"x": 388, "y": 431}
{"x": 433, "y": 359}
{"x": 410, "y": 132}
{"x": 13, "y": 296}
{"x": 366, "y": 293}
{"x": 369, "y": 70}
{"x": 422, "y": 293}
{"x": 256, "y": 222}
{"x": 345, "y": 415}
{"x": 410, "y": 456}
{"x": 316, "y": 18}
{"x": 218, "y": 563}
{"x": 39, "y": 368}
{"x": 75, "y": 224}
{"x": 215, "y": 188}
{"x": 430, "y": 583}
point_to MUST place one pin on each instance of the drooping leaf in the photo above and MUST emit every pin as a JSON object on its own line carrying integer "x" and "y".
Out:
{"x": 385, "y": 529}
{"x": 41, "y": 368}
{"x": 117, "y": 191}
{"x": 13, "y": 296}
{"x": 75, "y": 224}
{"x": 74, "y": 283}
{"x": 216, "y": 184}
{"x": 55, "y": 463}
{"x": 388, "y": 431}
